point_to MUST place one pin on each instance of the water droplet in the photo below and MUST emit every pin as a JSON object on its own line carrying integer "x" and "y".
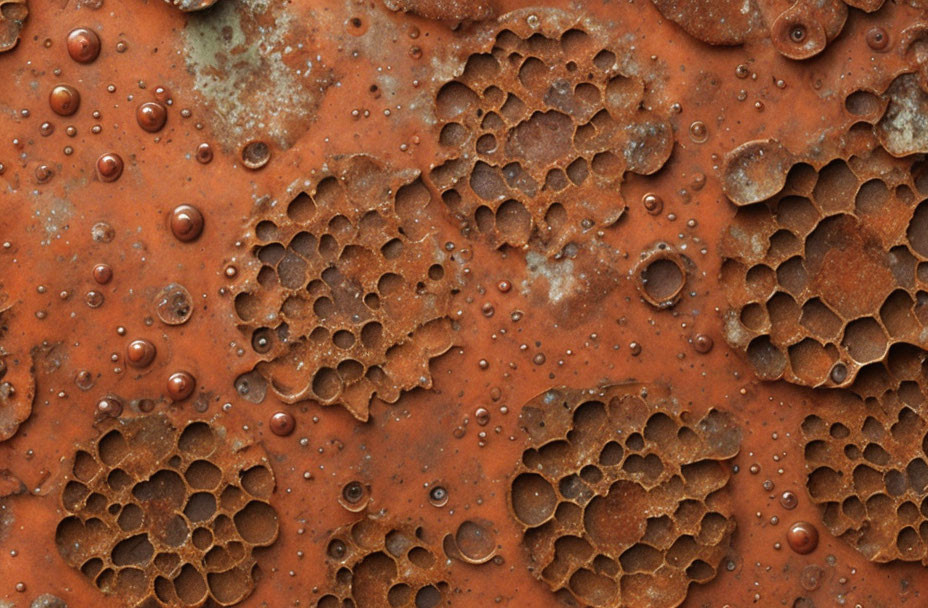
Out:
{"x": 64, "y": 100}
{"x": 83, "y": 379}
{"x": 802, "y": 537}
{"x": 204, "y": 153}
{"x": 788, "y": 500}
{"x": 504, "y": 286}
{"x": 109, "y": 167}
{"x": 102, "y": 273}
{"x": 46, "y": 129}
{"x": 94, "y": 299}
{"x": 282, "y": 424}
{"x": 698, "y": 181}
{"x": 110, "y": 406}
{"x": 140, "y": 353}
{"x": 180, "y": 385}
{"x": 482, "y": 416}
{"x": 83, "y": 45}
{"x": 162, "y": 94}
{"x": 652, "y": 203}
{"x": 186, "y": 222}
{"x": 43, "y": 173}
{"x": 699, "y": 132}
{"x": 151, "y": 116}
{"x": 703, "y": 343}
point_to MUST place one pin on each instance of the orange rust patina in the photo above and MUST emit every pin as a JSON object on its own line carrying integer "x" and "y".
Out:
{"x": 463, "y": 303}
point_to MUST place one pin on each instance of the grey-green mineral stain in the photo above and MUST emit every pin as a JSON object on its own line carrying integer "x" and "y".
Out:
{"x": 254, "y": 67}
{"x": 903, "y": 129}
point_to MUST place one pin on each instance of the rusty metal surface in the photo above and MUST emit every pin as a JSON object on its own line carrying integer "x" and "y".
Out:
{"x": 424, "y": 303}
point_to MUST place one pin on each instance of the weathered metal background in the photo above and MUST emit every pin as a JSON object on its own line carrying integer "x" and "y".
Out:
{"x": 482, "y": 303}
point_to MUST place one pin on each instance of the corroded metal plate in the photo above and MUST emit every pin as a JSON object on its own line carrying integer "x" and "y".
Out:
{"x": 462, "y": 303}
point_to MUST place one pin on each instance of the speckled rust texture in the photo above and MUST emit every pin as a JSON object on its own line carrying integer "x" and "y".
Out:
{"x": 420, "y": 230}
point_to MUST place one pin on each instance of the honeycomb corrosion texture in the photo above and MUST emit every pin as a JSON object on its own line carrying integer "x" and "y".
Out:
{"x": 867, "y": 460}
{"x": 165, "y": 517}
{"x": 831, "y": 271}
{"x": 375, "y": 562}
{"x": 347, "y": 291}
{"x": 622, "y": 497}
{"x": 540, "y": 128}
